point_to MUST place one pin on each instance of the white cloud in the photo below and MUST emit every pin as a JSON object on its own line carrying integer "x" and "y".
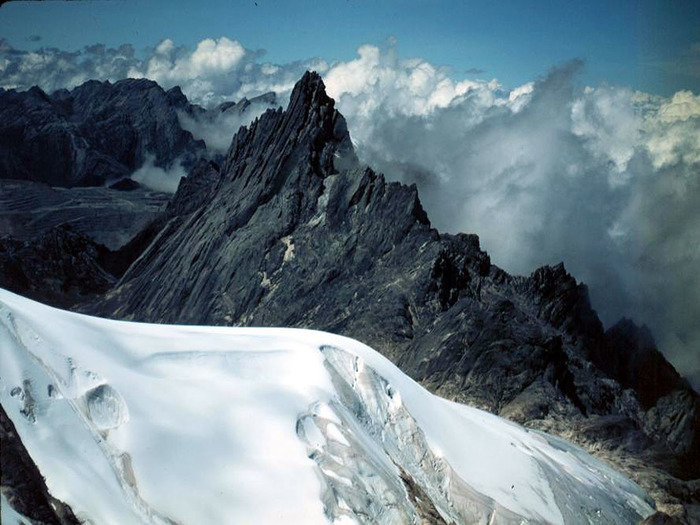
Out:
{"x": 158, "y": 179}
{"x": 211, "y": 57}
{"x": 165, "y": 48}
{"x": 682, "y": 106}
{"x": 218, "y": 70}
{"x": 380, "y": 81}
{"x": 198, "y": 70}
{"x": 672, "y": 130}
{"x": 608, "y": 122}
{"x": 218, "y": 128}
{"x": 605, "y": 179}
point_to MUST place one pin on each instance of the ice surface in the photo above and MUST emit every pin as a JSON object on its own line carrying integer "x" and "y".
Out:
{"x": 134, "y": 423}
{"x": 8, "y": 515}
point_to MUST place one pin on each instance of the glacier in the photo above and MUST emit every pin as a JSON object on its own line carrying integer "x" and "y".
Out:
{"x": 163, "y": 424}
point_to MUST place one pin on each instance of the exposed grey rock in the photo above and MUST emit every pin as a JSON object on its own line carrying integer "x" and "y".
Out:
{"x": 95, "y": 133}
{"x": 290, "y": 230}
{"x": 108, "y": 216}
{"x": 266, "y": 99}
{"x": 22, "y": 484}
{"x": 216, "y": 126}
{"x": 61, "y": 267}
{"x": 630, "y": 355}
{"x": 660, "y": 518}
{"x": 672, "y": 419}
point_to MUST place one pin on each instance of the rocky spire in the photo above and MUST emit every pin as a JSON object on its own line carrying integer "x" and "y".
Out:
{"x": 311, "y": 131}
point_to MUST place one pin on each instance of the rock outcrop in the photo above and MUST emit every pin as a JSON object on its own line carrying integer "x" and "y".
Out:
{"x": 22, "y": 483}
{"x": 61, "y": 267}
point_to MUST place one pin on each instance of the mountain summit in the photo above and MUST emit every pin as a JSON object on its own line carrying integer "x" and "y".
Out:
{"x": 291, "y": 230}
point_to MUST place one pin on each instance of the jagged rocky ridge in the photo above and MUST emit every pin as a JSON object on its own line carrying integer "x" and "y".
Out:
{"x": 289, "y": 229}
{"x": 60, "y": 241}
{"x": 54, "y": 150}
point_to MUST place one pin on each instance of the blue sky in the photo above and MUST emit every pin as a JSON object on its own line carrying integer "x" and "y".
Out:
{"x": 643, "y": 45}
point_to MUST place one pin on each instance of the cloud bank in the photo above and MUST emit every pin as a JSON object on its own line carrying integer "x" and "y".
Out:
{"x": 217, "y": 70}
{"x": 157, "y": 178}
{"x": 218, "y": 125}
{"x": 603, "y": 178}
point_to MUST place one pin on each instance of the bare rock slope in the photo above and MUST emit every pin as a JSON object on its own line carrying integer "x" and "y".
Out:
{"x": 95, "y": 133}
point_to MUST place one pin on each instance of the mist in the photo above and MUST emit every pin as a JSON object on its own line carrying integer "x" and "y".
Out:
{"x": 157, "y": 178}
{"x": 217, "y": 127}
{"x": 605, "y": 179}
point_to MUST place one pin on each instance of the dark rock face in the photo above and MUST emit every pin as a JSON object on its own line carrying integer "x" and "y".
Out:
{"x": 125, "y": 184}
{"x": 290, "y": 230}
{"x": 630, "y": 355}
{"x": 95, "y": 133}
{"x": 660, "y": 518}
{"x": 60, "y": 268}
{"x": 63, "y": 267}
{"x": 217, "y": 125}
{"x": 22, "y": 483}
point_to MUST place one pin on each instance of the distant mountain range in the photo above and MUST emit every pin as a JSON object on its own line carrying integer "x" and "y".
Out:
{"x": 288, "y": 228}
{"x": 101, "y": 132}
